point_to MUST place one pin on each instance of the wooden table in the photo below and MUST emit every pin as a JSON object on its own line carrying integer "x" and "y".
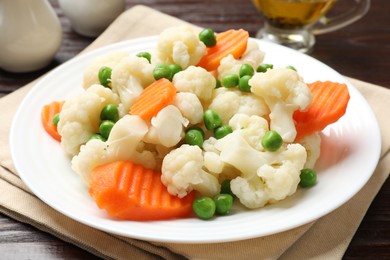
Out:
{"x": 361, "y": 50}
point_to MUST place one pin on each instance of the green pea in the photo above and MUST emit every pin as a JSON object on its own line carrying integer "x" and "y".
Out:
{"x": 291, "y": 67}
{"x": 308, "y": 178}
{"x": 104, "y": 76}
{"x": 225, "y": 187}
{"x": 110, "y": 112}
{"x": 211, "y": 119}
{"x": 222, "y": 131}
{"x": 56, "y": 119}
{"x": 243, "y": 83}
{"x": 223, "y": 203}
{"x": 218, "y": 83}
{"x": 271, "y": 141}
{"x": 204, "y": 207}
{"x": 174, "y": 69}
{"x": 246, "y": 70}
{"x": 194, "y": 137}
{"x": 230, "y": 81}
{"x": 207, "y": 36}
{"x": 145, "y": 55}
{"x": 162, "y": 71}
{"x": 105, "y": 128}
{"x": 195, "y": 127}
{"x": 264, "y": 67}
{"x": 98, "y": 136}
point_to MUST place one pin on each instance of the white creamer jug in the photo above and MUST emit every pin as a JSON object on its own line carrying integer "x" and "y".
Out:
{"x": 30, "y": 34}
{"x": 91, "y": 17}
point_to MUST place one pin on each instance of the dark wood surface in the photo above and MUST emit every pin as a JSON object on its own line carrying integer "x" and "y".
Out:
{"x": 361, "y": 51}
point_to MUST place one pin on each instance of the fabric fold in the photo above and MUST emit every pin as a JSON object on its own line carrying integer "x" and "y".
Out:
{"x": 304, "y": 242}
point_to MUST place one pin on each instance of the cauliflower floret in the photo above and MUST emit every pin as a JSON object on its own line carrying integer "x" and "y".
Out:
{"x": 252, "y": 56}
{"x": 167, "y": 127}
{"x": 182, "y": 172}
{"x": 122, "y": 144}
{"x": 251, "y": 128}
{"x": 195, "y": 80}
{"x": 228, "y": 65}
{"x": 90, "y": 76}
{"x": 179, "y": 45}
{"x": 251, "y": 192}
{"x": 189, "y": 106}
{"x": 266, "y": 176}
{"x": 128, "y": 79}
{"x": 80, "y": 116}
{"x": 228, "y": 102}
{"x": 284, "y": 91}
{"x": 312, "y": 144}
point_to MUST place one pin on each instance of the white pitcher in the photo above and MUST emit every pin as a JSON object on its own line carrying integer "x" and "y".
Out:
{"x": 30, "y": 34}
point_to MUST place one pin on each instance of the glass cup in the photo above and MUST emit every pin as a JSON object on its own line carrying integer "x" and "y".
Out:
{"x": 293, "y": 23}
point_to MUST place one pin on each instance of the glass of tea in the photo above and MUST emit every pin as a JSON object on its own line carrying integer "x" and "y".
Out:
{"x": 294, "y": 23}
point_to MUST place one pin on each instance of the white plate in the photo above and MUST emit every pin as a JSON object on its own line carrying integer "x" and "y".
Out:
{"x": 350, "y": 153}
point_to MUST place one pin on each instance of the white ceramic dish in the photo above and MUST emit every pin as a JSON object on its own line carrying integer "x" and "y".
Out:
{"x": 350, "y": 152}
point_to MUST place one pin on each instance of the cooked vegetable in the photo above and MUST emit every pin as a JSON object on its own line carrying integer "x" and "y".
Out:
{"x": 132, "y": 192}
{"x": 194, "y": 136}
{"x": 225, "y": 188}
{"x": 330, "y": 101}
{"x": 56, "y": 119}
{"x": 80, "y": 116}
{"x": 246, "y": 70}
{"x": 211, "y": 119}
{"x": 196, "y": 80}
{"x": 243, "y": 83}
{"x": 230, "y": 81}
{"x": 98, "y": 136}
{"x": 308, "y": 178}
{"x": 104, "y": 76}
{"x": 145, "y": 55}
{"x": 174, "y": 69}
{"x": 123, "y": 144}
{"x": 272, "y": 141}
{"x": 154, "y": 98}
{"x": 110, "y": 112}
{"x": 105, "y": 128}
{"x": 179, "y": 45}
{"x": 265, "y": 176}
{"x": 223, "y": 203}
{"x": 264, "y": 67}
{"x": 162, "y": 71}
{"x": 291, "y": 67}
{"x": 130, "y": 76}
{"x": 222, "y": 131}
{"x": 207, "y": 36}
{"x": 204, "y": 207}
{"x": 232, "y": 42}
{"x": 284, "y": 91}
{"x": 48, "y": 113}
{"x": 182, "y": 172}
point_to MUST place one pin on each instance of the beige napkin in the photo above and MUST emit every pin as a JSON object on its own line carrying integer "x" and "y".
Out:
{"x": 326, "y": 238}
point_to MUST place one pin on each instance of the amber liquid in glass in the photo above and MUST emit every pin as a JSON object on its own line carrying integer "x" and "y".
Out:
{"x": 293, "y": 14}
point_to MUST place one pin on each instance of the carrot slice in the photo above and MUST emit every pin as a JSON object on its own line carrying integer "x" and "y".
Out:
{"x": 132, "y": 192}
{"x": 153, "y": 98}
{"x": 47, "y": 113}
{"x": 330, "y": 100}
{"x": 229, "y": 42}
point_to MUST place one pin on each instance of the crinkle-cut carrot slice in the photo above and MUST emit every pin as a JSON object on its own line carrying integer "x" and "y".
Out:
{"x": 47, "y": 113}
{"x": 229, "y": 42}
{"x": 132, "y": 192}
{"x": 153, "y": 98}
{"x": 330, "y": 101}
